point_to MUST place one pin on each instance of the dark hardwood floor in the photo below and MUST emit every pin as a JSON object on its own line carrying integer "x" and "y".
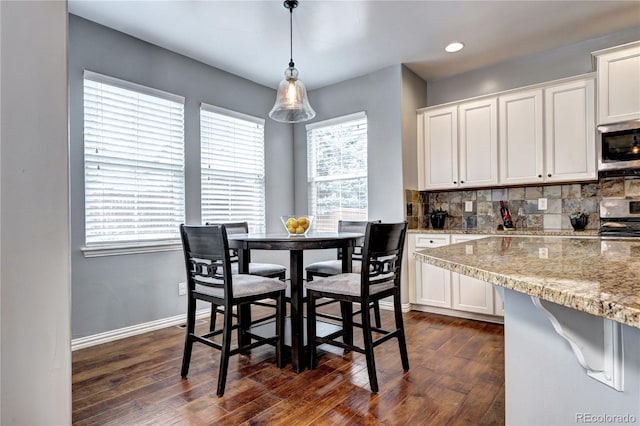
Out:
{"x": 456, "y": 377}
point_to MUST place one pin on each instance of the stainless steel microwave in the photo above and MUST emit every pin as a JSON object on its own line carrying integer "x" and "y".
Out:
{"x": 619, "y": 146}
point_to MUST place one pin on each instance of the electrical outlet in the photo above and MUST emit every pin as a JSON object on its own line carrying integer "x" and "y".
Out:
{"x": 543, "y": 253}
{"x": 468, "y": 206}
{"x": 542, "y": 203}
{"x": 182, "y": 289}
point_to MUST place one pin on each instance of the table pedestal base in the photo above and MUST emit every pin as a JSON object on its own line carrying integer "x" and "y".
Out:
{"x": 268, "y": 329}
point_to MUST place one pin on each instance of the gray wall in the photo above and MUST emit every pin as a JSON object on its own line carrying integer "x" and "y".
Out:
{"x": 35, "y": 274}
{"x": 414, "y": 95}
{"x": 567, "y": 61}
{"x": 113, "y": 292}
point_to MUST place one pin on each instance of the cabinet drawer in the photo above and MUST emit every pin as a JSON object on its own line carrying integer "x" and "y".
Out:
{"x": 432, "y": 240}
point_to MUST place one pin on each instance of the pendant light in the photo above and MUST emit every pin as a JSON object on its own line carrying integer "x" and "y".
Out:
{"x": 292, "y": 105}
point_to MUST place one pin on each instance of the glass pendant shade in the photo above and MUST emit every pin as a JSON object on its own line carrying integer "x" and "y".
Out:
{"x": 292, "y": 104}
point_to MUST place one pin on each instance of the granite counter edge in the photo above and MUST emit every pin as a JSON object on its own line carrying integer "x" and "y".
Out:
{"x": 598, "y": 307}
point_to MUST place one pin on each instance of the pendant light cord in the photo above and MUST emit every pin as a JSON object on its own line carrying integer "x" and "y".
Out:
{"x": 291, "y": 6}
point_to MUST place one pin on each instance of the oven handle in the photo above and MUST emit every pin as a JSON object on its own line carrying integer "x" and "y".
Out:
{"x": 613, "y": 225}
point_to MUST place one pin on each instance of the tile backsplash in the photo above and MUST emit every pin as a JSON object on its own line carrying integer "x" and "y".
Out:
{"x": 522, "y": 203}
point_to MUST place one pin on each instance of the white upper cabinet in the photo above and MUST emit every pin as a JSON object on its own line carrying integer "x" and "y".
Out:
{"x": 618, "y": 83}
{"x": 458, "y": 145}
{"x": 544, "y": 133}
{"x": 521, "y": 137}
{"x": 438, "y": 148}
{"x": 478, "y": 143}
{"x": 570, "y": 150}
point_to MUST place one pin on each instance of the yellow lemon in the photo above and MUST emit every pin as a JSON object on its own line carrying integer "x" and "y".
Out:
{"x": 291, "y": 229}
{"x": 299, "y": 230}
{"x": 306, "y": 225}
{"x": 302, "y": 221}
{"x": 291, "y": 222}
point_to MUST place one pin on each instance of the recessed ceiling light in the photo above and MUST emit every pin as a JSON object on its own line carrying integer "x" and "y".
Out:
{"x": 454, "y": 47}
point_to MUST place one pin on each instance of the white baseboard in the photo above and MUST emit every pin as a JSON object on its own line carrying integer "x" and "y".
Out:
{"x": 121, "y": 333}
{"x": 460, "y": 314}
{"x": 388, "y": 306}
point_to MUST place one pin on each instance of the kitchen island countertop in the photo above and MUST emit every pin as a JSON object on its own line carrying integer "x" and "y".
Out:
{"x": 593, "y": 275}
{"x": 513, "y": 232}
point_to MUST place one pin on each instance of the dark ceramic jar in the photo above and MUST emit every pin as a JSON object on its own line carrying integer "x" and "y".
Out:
{"x": 579, "y": 222}
{"x": 438, "y": 218}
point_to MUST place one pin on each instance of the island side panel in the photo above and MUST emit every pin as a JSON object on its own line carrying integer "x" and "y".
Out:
{"x": 544, "y": 382}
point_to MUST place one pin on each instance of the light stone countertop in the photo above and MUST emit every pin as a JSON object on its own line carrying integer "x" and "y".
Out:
{"x": 594, "y": 275}
{"x": 521, "y": 231}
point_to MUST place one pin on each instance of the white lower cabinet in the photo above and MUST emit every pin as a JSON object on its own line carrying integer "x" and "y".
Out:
{"x": 449, "y": 292}
{"x": 470, "y": 294}
{"x": 432, "y": 284}
{"x": 434, "y": 288}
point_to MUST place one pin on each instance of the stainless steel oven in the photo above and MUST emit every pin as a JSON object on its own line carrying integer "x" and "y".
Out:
{"x": 620, "y": 217}
{"x": 619, "y": 146}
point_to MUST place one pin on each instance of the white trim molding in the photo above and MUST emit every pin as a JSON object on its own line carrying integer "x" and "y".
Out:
{"x": 117, "y": 249}
{"x": 388, "y": 306}
{"x": 121, "y": 333}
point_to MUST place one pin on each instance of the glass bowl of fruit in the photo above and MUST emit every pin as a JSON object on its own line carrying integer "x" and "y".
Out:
{"x": 297, "y": 225}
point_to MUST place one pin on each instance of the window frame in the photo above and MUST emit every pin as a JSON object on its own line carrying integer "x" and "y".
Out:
{"x": 257, "y": 218}
{"x": 313, "y": 179}
{"x": 109, "y": 248}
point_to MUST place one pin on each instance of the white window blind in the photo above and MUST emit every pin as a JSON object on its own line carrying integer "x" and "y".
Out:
{"x": 133, "y": 162}
{"x": 337, "y": 170}
{"x": 232, "y": 167}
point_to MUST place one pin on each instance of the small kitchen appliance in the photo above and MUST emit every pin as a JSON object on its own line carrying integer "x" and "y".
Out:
{"x": 620, "y": 217}
{"x": 619, "y": 148}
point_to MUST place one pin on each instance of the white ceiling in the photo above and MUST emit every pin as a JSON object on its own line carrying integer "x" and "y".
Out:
{"x": 338, "y": 40}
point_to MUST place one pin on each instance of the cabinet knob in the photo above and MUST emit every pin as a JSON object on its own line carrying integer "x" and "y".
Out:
{"x": 549, "y": 175}
{"x": 539, "y": 176}
{"x": 455, "y": 182}
{"x": 431, "y": 241}
{"x": 461, "y": 181}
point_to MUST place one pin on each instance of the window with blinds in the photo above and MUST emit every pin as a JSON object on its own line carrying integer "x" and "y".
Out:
{"x": 337, "y": 170}
{"x": 232, "y": 167}
{"x": 133, "y": 162}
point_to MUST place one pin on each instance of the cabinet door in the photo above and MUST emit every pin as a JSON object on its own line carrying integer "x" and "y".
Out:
{"x": 470, "y": 294}
{"x": 619, "y": 85}
{"x": 439, "y": 134}
{"x": 432, "y": 284}
{"x": 478, "y": 143}
{"x": 521, "y": 137}
{"x": 570, "y": 150}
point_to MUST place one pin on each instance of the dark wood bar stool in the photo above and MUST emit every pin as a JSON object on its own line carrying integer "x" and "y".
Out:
{"x": 269, "y": 270}
{"x": 379, "y": 278}
{"x": 210, "y": 279}
{"x": 328, "y": 268}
